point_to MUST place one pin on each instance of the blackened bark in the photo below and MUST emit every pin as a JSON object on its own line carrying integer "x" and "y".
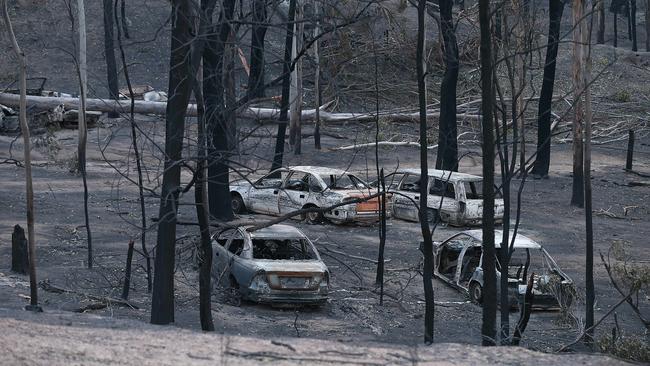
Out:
{"x": 629, "y": 20}
{"x": 427, "y": 241}
{"x": 633, "y": 24}
{"x": 543, "y": 157}
{"x": 647, "y": 25}
{"x": 615, "y": 30}
{"x": 577, "y": 194}
{"x": 127, "y": 272}
{"x": 123, "y": 24}
{"x": 286, "y": 85}
{"x": 590, "y": 294}
{"x": 256, "y": 77}
{"x": 317, "y": 73}
{"x": 109, "y": 50}
{"x": 19, "y": 256}
{"x": 488, "y": 329}
{"x": 447, "y": 157}
{"x": 162, "y": 302}
{"x": 201, "y": 201}
{"x": 216, "y": 116}
{"x": 600, "y": 9}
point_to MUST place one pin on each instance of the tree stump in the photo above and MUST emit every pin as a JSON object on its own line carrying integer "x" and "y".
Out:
{"x": 19, "y": 256}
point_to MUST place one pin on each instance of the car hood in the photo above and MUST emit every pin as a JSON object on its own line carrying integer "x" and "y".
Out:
{"x": 290, "y": 266}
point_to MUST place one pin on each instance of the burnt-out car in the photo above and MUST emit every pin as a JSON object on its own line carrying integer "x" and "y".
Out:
{"x": 458, "y": 262}
{"x": 274, "y": 265}
{"x": 289, "y": 189}
{"x": 454, "y": 198}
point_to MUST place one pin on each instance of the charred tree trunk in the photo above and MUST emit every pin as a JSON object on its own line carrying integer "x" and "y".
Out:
{"x": 295, "y": 92}
{"x": 122, "y": 24}
{"x": 589, "y": 261}
{"x": 488, "y": 329}
{"x": 628, "y": 14}
{"x": 577, "y": 197}
{"x": 615, "y": 29}
{"x": 200, "y": 187}
{"x": 258, "y": 34}
{"x": 317, "y": 86}
{"x": 600, "y": 9}
{"x": 633, "y": 24}
{"x": 127, "y": 272}
{"x": 162, "y": 302}
{"x": 543, "y": 157}
{"x": 24, "y": 128}
{"x": 109, "y": 53}
{"x": 427, "y": 241}
{"x": 216, "y": 116}
{"x": 647, "y": 25}
{"x": 201, "y": 201}
{"x": 19, "y": 257}
{"x": 447, "y": 157}
{"x": 286, "y": 85}
{"x": 83, "y": 130}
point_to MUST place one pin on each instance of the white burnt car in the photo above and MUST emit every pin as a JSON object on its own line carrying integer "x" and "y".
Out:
{"x": 274, "y": 265}
{"x": 289, "y": 189}
{"x": 458, "y": 262}
{"x": 455, "y": 198}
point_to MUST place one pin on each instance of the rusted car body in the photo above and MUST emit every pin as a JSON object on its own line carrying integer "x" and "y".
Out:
{"x": 275, "y": 265}
{"x": 307, "y": 187}
{"x": 454, "y": 198}
{"x": 458, "y": 262}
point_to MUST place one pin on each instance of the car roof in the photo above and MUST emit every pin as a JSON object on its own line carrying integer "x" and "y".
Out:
{"x": 521, "y": 242}
{"x": 444, "y": 174}
{"x": 279, "y": 231}
{"x": 319, "y": 170}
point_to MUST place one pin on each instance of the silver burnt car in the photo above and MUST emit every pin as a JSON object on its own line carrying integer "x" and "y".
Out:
{"x": 455, "y": 198}
{"x": 294, "y": 188}
{"x": 458, "y": 262}
{"x": 273, "y": 265}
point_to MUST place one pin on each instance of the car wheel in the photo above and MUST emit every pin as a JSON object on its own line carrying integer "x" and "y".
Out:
{"x": 238, "y": 206}
{"x": 476, "y": 293}
{"x": 313, "y": 217}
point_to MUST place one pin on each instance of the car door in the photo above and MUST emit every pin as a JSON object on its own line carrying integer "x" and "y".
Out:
{"x": 443, "y": 197}
{"x": 237, "y": 252}
{"x": 404, "y": 204}
{"x": 220, "y": 266}
{"x": 264, "y": 193}
{"x": 295, "y": 192}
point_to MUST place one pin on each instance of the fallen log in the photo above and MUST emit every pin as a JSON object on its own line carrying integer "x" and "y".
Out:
{"x": 47, "y": 286}
{"x": 37, "y": 103}
{"x": 391, "y": 143}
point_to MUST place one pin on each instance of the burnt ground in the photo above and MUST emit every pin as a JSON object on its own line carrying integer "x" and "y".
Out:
{"x": 353, "y": 314}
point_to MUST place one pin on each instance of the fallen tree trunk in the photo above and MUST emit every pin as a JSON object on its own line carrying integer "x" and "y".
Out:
{"x": 37, "y": 103}
{"x": 391, "y": 143}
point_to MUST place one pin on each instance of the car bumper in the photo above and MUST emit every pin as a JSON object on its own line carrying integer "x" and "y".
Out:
{"x": 354, "y": 216}
{"x": 287, "y": 297}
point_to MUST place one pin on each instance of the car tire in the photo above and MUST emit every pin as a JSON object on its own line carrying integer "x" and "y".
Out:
{"x": 238, "y": 205}
{"x": 476, "y": 292}
{"x": 312, "y": 217}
